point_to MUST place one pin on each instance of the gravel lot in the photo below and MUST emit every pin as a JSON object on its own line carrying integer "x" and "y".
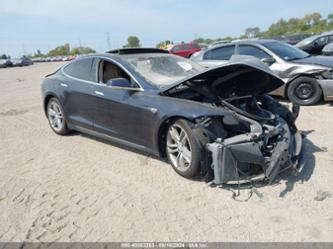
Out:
{"x": 78, "y": 188}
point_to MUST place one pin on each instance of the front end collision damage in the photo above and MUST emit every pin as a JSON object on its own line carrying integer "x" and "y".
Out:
{"x": 239, "y": 159}
{"x": 254, "y": 136}
{"x": 262, "y": 153}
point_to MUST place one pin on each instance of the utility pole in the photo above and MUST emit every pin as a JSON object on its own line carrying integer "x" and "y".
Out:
{"x": 108, "y": 42}
{"x": 24, "y": 52}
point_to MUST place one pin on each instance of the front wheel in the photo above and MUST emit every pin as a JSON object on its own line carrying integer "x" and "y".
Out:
{"x": 304, "y": 91}
{"x": 182, "y": 149}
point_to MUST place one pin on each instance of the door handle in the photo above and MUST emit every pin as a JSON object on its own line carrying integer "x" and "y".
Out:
{"x": 63, "y": 84}
{"x": 99, "y": 93}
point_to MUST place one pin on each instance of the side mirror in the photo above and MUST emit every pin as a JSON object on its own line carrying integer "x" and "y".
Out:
{"x": 118, "y": 82}
{"x": 269, "y": 60}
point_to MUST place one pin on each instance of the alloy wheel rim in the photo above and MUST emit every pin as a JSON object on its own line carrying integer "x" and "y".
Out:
{"x": 304, "y": 91}
{"x": 55, "y": 116}
{"x": 179, "y": 148}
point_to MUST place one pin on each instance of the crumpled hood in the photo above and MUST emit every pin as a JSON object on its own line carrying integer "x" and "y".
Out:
{"x": 326, "y": 61}
{"x": 238, "y": 78}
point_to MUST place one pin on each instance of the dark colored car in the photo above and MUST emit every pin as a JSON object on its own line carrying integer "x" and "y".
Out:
{"x": 24, "y": 61}
{"x": 308, "y": 79}
{"x": 185, "y": 49}
{"x": 296, "y": 38}
{"x": 214, "y": 122}
{"x": 328, "y": 49}
{"x": 315, "y": 44}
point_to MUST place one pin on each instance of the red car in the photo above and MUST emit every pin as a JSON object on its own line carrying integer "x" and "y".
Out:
{"x": 185, "y": 49}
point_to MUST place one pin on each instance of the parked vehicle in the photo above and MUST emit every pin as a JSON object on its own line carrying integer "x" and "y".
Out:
{"x": 203, "y": 46}
{"x": 185, "y": 49}
{"x": 19, "y": 62}
{"x": 328, "y": 49}
{"x": 16, "y": 62}
{"x": 217, "y": 122}
{"x": 3, "y": 63}
{"x": 307, "y": 78}
{"x": 315, "y": 44}
{"x": 217, "y": 43}
{"x": 296, "y": 38}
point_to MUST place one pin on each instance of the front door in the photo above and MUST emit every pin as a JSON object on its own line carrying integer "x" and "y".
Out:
{"x": 118, "y": 111}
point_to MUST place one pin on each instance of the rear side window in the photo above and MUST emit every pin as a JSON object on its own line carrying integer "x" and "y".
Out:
{"x": 81, "y": 69}
{"x": 222, "y": 53}
{"x": 252, "y": 51}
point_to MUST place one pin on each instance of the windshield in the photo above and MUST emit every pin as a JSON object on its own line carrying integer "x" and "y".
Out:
{"x": 286, "y": 51}
{"x": 163, "y": 69}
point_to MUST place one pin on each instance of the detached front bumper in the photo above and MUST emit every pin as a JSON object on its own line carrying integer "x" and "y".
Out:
{"x": 241, "y": 160}
{"x": 327, "y": 87}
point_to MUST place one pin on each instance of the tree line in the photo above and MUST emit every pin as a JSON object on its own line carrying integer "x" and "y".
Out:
{"x": 64, "y": 50}
{"x": 312, "y": 24}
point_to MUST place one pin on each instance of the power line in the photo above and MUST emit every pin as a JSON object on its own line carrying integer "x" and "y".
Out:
{"x": 108, "y": 42}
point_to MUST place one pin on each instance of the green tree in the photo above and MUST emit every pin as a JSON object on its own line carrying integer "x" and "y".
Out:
{"x": 252, "y": 32}
{"x": 82, "y": 50}
{"x": 60, "y": 50}
{"x": 3, "y": 57}
{"x": 132, "y": 42}
{"x": 164, "y": 44}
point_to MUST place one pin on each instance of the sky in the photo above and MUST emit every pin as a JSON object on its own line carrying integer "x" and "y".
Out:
{"x": 28, "y": 25}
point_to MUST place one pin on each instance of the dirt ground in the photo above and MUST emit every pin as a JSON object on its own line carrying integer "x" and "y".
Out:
{"x": 77, "y": 188}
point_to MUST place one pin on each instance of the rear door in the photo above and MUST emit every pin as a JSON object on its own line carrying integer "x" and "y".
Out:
{"x": 77, "y": 89}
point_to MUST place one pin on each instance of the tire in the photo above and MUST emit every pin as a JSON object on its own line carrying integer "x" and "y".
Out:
{"x": 304, "y": 91}
{"x": 183, "y": 153}
{"x": 56, "y": 117}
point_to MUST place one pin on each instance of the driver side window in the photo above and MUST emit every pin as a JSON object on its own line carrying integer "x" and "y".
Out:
{"x": 109, "y": 71}
{"x": 322, "y": 41}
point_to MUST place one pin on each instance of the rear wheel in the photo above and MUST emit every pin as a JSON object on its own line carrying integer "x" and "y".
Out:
{"x": 56, "y": 117}
{"x": 304, "y": 91}
{"x": 182, "y": 149}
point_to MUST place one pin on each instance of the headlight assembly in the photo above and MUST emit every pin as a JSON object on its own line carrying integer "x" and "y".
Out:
{"x": 328, "y": 74}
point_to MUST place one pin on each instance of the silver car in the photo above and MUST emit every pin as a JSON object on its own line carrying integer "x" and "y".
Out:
{"x": 308, "y": 79}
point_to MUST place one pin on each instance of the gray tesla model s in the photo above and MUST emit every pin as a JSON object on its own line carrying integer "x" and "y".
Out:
{"x": 216, "y": 122}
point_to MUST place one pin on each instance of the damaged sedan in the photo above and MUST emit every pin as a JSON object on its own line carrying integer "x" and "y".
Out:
{"x": 216, "y": 122}
{"x": 308, "y": 79}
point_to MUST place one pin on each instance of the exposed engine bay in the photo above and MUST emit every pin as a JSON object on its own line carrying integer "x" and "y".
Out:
{"x": 254, "y": 139}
